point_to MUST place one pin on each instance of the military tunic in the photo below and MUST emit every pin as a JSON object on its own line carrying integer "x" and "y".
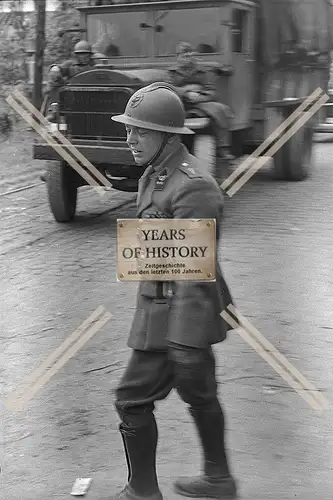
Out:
{"x": 187, "y": 313}
{"x": 73, "y": 67}
{"x": 197, "y": 76}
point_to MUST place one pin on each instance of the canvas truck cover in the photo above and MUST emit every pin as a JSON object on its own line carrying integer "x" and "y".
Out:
{"x": 288, "y": 23}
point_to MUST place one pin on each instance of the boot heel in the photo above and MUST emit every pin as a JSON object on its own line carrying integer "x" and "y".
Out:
{"x": 129, "y": 494}
{"x": 202, "y": 487}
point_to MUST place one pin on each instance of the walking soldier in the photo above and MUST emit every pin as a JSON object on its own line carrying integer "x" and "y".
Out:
{"x": 175, "y": 323}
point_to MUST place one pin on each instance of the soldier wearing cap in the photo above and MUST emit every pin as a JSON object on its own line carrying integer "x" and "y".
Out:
{"x": 175, "y": 323}
{"x": 194, "y": 88}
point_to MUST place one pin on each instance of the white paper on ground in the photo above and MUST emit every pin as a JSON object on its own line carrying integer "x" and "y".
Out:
{"x": 81, "y": 486}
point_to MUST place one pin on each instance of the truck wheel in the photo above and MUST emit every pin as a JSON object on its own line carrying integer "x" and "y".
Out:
{"x": 204, "y": 148}
{"x": 62, "y": 191}
{"x": 293, "y": 161}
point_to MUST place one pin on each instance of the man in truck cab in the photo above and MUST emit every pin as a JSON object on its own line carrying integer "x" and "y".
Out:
{"x": 59, "y": 73}
{"x": 195, "y": 90}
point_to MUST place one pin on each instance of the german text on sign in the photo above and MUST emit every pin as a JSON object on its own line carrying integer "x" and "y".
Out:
{"x": 166, "y": 249}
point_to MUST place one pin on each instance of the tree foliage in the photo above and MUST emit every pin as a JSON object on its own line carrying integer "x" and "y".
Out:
{"x": 15, "y": 40}
{"x": 59, "y": 44}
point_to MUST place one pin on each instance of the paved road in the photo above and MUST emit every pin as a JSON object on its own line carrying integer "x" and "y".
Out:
{"x": 277, "y": 256}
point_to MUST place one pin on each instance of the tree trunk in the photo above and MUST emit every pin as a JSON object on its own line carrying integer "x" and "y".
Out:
{"x": 39, "y": 54}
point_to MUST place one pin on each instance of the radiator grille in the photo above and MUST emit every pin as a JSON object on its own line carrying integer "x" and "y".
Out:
{"x": 88, "y": 112}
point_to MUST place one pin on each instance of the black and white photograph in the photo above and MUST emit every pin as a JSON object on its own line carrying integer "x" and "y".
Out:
{"x": 166, "y": 221}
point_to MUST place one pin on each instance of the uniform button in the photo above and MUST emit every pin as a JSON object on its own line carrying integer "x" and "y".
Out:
{"x": 185, "y": 164}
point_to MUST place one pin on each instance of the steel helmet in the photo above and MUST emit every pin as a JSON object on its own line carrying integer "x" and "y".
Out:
{"x": 83, "y": 47}
{"x": 98, "y": 55}
{"x": 155, "y": 107}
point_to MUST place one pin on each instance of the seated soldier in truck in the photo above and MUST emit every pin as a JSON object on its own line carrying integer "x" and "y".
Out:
{"x": 60, "y": 73}
{"x": 193, "y": 87}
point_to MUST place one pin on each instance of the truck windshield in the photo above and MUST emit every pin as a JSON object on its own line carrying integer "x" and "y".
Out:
{"x": 118, "y": 34}
{"x": 200, "y": 27}
{"x": 130, "y": 34}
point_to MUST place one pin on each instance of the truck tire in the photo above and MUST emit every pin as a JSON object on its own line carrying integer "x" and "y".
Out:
{"x": 293, "y": 161}
{"x": 62, "y": 191}
{"x": 204, "y": 149}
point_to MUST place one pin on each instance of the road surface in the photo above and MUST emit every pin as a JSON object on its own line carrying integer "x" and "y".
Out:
{"x": 277, "y": 257}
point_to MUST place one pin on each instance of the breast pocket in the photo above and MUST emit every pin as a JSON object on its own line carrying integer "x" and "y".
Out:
{"x": 150, "y": 324}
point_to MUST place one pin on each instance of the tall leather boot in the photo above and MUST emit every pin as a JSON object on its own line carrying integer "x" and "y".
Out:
{"x": 140, "y": 450}
{"x": 216, "y": 480}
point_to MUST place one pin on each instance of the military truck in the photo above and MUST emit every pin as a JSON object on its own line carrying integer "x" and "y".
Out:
{"x": 263, "y": 56}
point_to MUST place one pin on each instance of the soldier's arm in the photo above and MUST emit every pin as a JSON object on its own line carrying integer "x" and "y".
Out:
{"x": 193, "y": 305}
{"x": 209, "y": 89}
{"x": 54, "y": 77}
{"x": 57, "y": 75}
{"x": 199, "y": 198}
{"x": 65, "y": 68}
{"x": 175, "y": 79}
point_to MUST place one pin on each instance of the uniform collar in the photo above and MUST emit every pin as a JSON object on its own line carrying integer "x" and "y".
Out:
{"x": 171, "y": 161}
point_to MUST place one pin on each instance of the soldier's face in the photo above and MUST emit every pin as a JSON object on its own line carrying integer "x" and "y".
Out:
{"x": 143, "y": 143}
{"x": 83, "y": 58}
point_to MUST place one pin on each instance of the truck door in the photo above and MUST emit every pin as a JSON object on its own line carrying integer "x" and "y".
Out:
{"x": 241, "y": 54}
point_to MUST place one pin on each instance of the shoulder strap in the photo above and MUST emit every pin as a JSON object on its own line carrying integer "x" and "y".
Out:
{"x": 190, "y": 170}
